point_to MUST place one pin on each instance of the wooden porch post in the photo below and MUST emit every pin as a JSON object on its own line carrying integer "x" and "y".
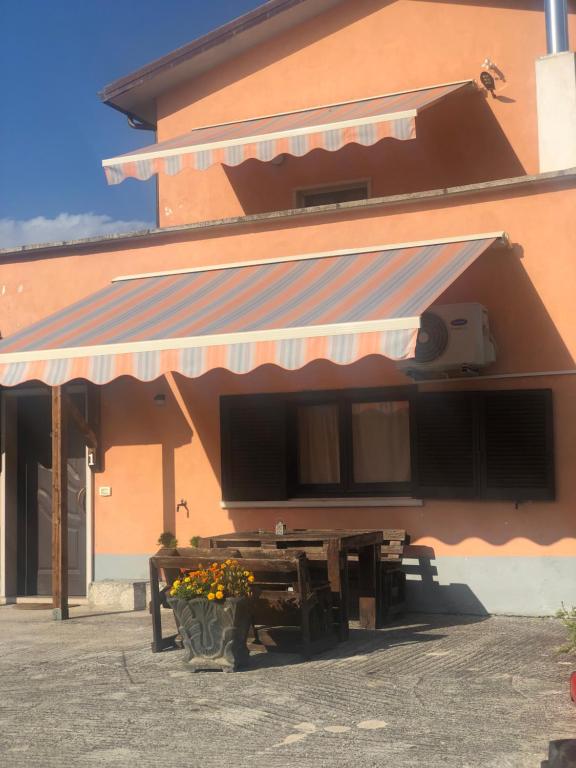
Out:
{"x": 59, "y": 506}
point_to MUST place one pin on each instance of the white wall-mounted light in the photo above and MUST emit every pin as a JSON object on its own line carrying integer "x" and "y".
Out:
{"x": 490, "y": 66}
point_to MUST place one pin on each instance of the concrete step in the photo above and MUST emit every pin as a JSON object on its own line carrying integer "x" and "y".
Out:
{"x": 124, "y": 594}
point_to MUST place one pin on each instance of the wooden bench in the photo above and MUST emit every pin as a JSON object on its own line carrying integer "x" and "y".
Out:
{"x": 327, "y": 550}
{"x": 285, "y": 598}
{"x": 289, "y": 601}
{"x": 391, "y": 574}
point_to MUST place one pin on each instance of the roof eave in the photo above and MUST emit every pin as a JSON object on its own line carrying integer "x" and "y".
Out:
{"x": 134, "y": 94}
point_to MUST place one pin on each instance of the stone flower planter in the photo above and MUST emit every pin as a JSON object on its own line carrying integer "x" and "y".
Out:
{"x": 214, "y": 632}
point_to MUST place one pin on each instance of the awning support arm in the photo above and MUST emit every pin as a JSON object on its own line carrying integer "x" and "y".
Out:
{"x": 60, "y": 610}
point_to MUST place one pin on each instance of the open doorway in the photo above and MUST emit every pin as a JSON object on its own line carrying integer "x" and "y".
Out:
{"x": 34, "y": 498}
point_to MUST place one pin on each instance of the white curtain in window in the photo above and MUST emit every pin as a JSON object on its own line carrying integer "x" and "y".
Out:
{"x": 381, "y": 442}
{"x": 318, "y": 444}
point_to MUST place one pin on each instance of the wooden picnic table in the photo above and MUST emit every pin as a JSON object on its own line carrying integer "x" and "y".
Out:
{"x": 332, "y": 545}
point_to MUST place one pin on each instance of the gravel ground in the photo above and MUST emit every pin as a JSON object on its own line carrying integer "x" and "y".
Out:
{"x": 433, "y": 691}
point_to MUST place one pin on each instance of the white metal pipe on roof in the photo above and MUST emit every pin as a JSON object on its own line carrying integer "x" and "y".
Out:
{"x": 556, "y": 26}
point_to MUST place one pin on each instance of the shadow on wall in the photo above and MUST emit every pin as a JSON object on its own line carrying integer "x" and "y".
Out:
{"x": 424, "y": 593}
{"x": 442, "y": 155}
{"x": 145, "y": 415}
{"x": 527, "y": 339}
{"x": 286, "y": 45}
{"x": 526, "y": 335}
{"x": 281, "y": 47}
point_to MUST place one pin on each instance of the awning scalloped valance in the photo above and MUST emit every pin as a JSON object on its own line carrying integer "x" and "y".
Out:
{"x": 365, "y": 122}
{"x": 339, "y": 306}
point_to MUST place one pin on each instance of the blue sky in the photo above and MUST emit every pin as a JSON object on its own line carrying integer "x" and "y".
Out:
{"x": 55, "y": 55}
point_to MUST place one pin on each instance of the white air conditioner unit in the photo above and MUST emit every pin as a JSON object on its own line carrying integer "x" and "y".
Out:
{"x": 453, "y": 339}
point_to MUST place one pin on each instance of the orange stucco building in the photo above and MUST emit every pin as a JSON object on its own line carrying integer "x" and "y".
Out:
{"x": 486, "y": 489}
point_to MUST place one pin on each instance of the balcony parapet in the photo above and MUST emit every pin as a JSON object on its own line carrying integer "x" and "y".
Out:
{"x": 433, "y": 197}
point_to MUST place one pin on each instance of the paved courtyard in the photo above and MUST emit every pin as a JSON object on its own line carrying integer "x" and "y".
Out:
{"x": 429, "y": 691}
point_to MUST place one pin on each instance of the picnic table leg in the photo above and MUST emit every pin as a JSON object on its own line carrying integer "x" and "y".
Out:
{"x": 155, "y": 608}
{"x": 337, "y": 576}
{"x": 159, "y": 643}
{"x": 369, "y": 583}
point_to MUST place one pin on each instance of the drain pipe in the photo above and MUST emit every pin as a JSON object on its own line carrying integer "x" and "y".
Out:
{"x": 556, "y": 26}
{"x": 556, "y": 93}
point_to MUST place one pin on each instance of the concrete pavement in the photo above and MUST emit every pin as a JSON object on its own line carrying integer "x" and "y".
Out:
{"x": 430, "y": 691}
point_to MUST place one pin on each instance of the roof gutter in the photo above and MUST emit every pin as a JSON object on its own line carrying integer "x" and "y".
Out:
{"x": 138, "y": 123}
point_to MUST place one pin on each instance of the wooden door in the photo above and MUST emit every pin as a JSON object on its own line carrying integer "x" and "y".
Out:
{"x": 35, "y": 502}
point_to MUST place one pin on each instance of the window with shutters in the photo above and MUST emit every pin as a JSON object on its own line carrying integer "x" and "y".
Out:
{"x": 351, "y": 444}
{"x": 388, "y": 442}
{"x": 346, "y": 443}
{"x": 318, "y": 454}
{"x": 253, "y": 444}
{"x": 517, "y": 445}
{"x": 341, "y": 193}
{"x": 484, "y": 445}
{"x": 444, "y": 446}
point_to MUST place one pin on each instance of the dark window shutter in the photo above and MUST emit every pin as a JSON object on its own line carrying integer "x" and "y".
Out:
{"x": 253, "y": 440}
{"x": 518, "y": 445}
{"x": 444, "y": 446}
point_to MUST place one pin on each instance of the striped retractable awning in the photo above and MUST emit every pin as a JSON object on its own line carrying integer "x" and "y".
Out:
{"x": 338, "y": 306}
{"x": 331, "y": 127}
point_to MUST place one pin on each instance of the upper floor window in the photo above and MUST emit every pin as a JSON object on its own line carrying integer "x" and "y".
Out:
{"x": 341, "y": 193}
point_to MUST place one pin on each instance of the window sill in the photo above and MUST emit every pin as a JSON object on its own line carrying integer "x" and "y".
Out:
{"x": 381, "y": 501}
